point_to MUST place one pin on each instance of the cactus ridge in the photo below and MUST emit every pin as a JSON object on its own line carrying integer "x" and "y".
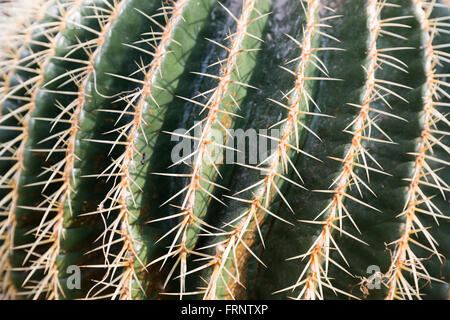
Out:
{"x": 32, "y": 83}
{"x": 219, "y": 115}
{"x": 404, "y": 259}
{"x": 49, "y": 230}
{"x": 315, "y": 276}
{"x": 62, "y": 171}
{"x": 277, "y": 165}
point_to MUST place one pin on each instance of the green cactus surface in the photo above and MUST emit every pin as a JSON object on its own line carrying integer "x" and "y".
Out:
{"x": 233, "y": 149}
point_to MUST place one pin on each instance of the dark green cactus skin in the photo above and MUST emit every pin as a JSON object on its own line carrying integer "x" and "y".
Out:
{"x": 133, "y": 224}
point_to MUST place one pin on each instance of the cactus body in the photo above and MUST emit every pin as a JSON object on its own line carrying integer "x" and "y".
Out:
{"x": 244, "y": 149}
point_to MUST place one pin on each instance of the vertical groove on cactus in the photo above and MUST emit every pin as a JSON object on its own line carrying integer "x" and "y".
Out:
{"x": 314, "y": 276}
{"x": 16, "y": 39}
{"x": 83, "y": 225}
{"x": 405, "y": 259}
{"x": 17, "y": 26}
{"x": 109, "y": 15}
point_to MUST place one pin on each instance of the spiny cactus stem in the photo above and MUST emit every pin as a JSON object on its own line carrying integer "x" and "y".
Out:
{"x": 201, "y": 153}
{"x": 29, "y": 107}
{"x": 51, "y": 280}
{"x": 122, "y": 192}
{"x": 64, "y": 202}
{"x": 261, "y": 200}
{"x": 404, "y": 258}
{"x": 321, "y": 249}
{"x": 214, "y": 109}
{"x": 26, "y": 39}
{"x": 319, "y": 253}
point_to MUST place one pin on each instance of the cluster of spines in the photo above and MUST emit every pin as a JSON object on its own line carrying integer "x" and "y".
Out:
{"x": 404, "y": 260}
{"x": 25, "y": 91}
{"x": 19, "y": 37}
{"x": 121, "y": 270}
{"x": 215, "y": 108}
{"x": 48, "y": 232}
{"x": 276, "y": 165}
{"x": 314, "y": 277}
{"x": 16, "y": 21}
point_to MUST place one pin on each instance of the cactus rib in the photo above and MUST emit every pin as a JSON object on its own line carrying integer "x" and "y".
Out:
{"x": 24, "y": 114}
{"x": 120, "y": 193}
{"x": 404, "y": 259}
{"x": 357, "y": 156}
{"x": 98, "y": 201}
{"x": 199, "y": 176}
{"x": 280, "y": 160}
